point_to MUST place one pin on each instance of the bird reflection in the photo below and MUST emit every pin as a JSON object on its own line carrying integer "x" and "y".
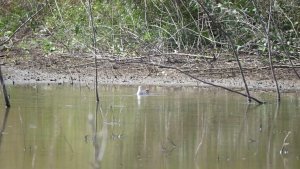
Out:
{"x": 142, "y": 92}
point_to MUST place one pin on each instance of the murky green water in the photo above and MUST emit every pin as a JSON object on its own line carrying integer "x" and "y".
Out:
{"x": 54, "y": 127}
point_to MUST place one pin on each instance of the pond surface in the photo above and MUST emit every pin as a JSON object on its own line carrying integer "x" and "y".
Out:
{"x": 60, "y": 127}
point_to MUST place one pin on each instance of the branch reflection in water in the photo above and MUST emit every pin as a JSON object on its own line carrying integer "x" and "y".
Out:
{"x": 99, "y": 137}
{"x": 3, "y": 124}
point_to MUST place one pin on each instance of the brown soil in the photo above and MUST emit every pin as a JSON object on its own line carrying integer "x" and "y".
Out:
{"x": 34, "y": 66}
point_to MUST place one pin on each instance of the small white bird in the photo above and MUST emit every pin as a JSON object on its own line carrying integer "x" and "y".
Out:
{"x": 141, "y": 92}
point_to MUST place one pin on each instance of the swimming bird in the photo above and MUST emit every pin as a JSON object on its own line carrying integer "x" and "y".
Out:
{"x": 142, "y": 92}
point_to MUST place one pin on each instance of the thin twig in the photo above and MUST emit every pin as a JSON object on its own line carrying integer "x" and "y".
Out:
{"x": 187, "y": 54}
{"x": 283, "y": 42}
{"x": 95, "y": 50}
{"x": 23, "y": 24}
{"x": 270, "y": 49}
{"x": 232, "y": 46}
{"x": 205, "y": 82}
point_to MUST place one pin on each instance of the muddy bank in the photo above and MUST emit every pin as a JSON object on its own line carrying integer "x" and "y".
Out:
{"x": 14, "y": 75}
{"x": 58, "y": 68}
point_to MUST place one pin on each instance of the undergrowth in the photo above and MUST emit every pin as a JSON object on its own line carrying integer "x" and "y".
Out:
{"x": 135, "y": 27}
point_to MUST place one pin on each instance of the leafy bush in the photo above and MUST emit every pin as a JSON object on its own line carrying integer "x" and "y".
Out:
{"x": 127, "y": 27}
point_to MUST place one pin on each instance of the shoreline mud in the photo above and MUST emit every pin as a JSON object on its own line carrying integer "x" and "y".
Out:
{"x": 16, "y": 76}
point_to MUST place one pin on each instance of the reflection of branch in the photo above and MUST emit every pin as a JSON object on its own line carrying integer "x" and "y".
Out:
{"x": 283, "y": 149}
{"x": 244, "y": 124}
{"x": 99, "y": 138}
{"x": 204, "y": 129}
{"x": 23, "y": 130}
{"x": 67, "y": 141}
{"x": 270, "y": 140}
{"x": 3, "y": 124}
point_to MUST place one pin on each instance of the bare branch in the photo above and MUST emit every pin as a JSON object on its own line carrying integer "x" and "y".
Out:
{"x": 23, "y": 24}
{"x": 270, "y": 48}
{"x": 232, "y": 46}
{"x": 95, "y": 50}
{"x": 205, "y": 82}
